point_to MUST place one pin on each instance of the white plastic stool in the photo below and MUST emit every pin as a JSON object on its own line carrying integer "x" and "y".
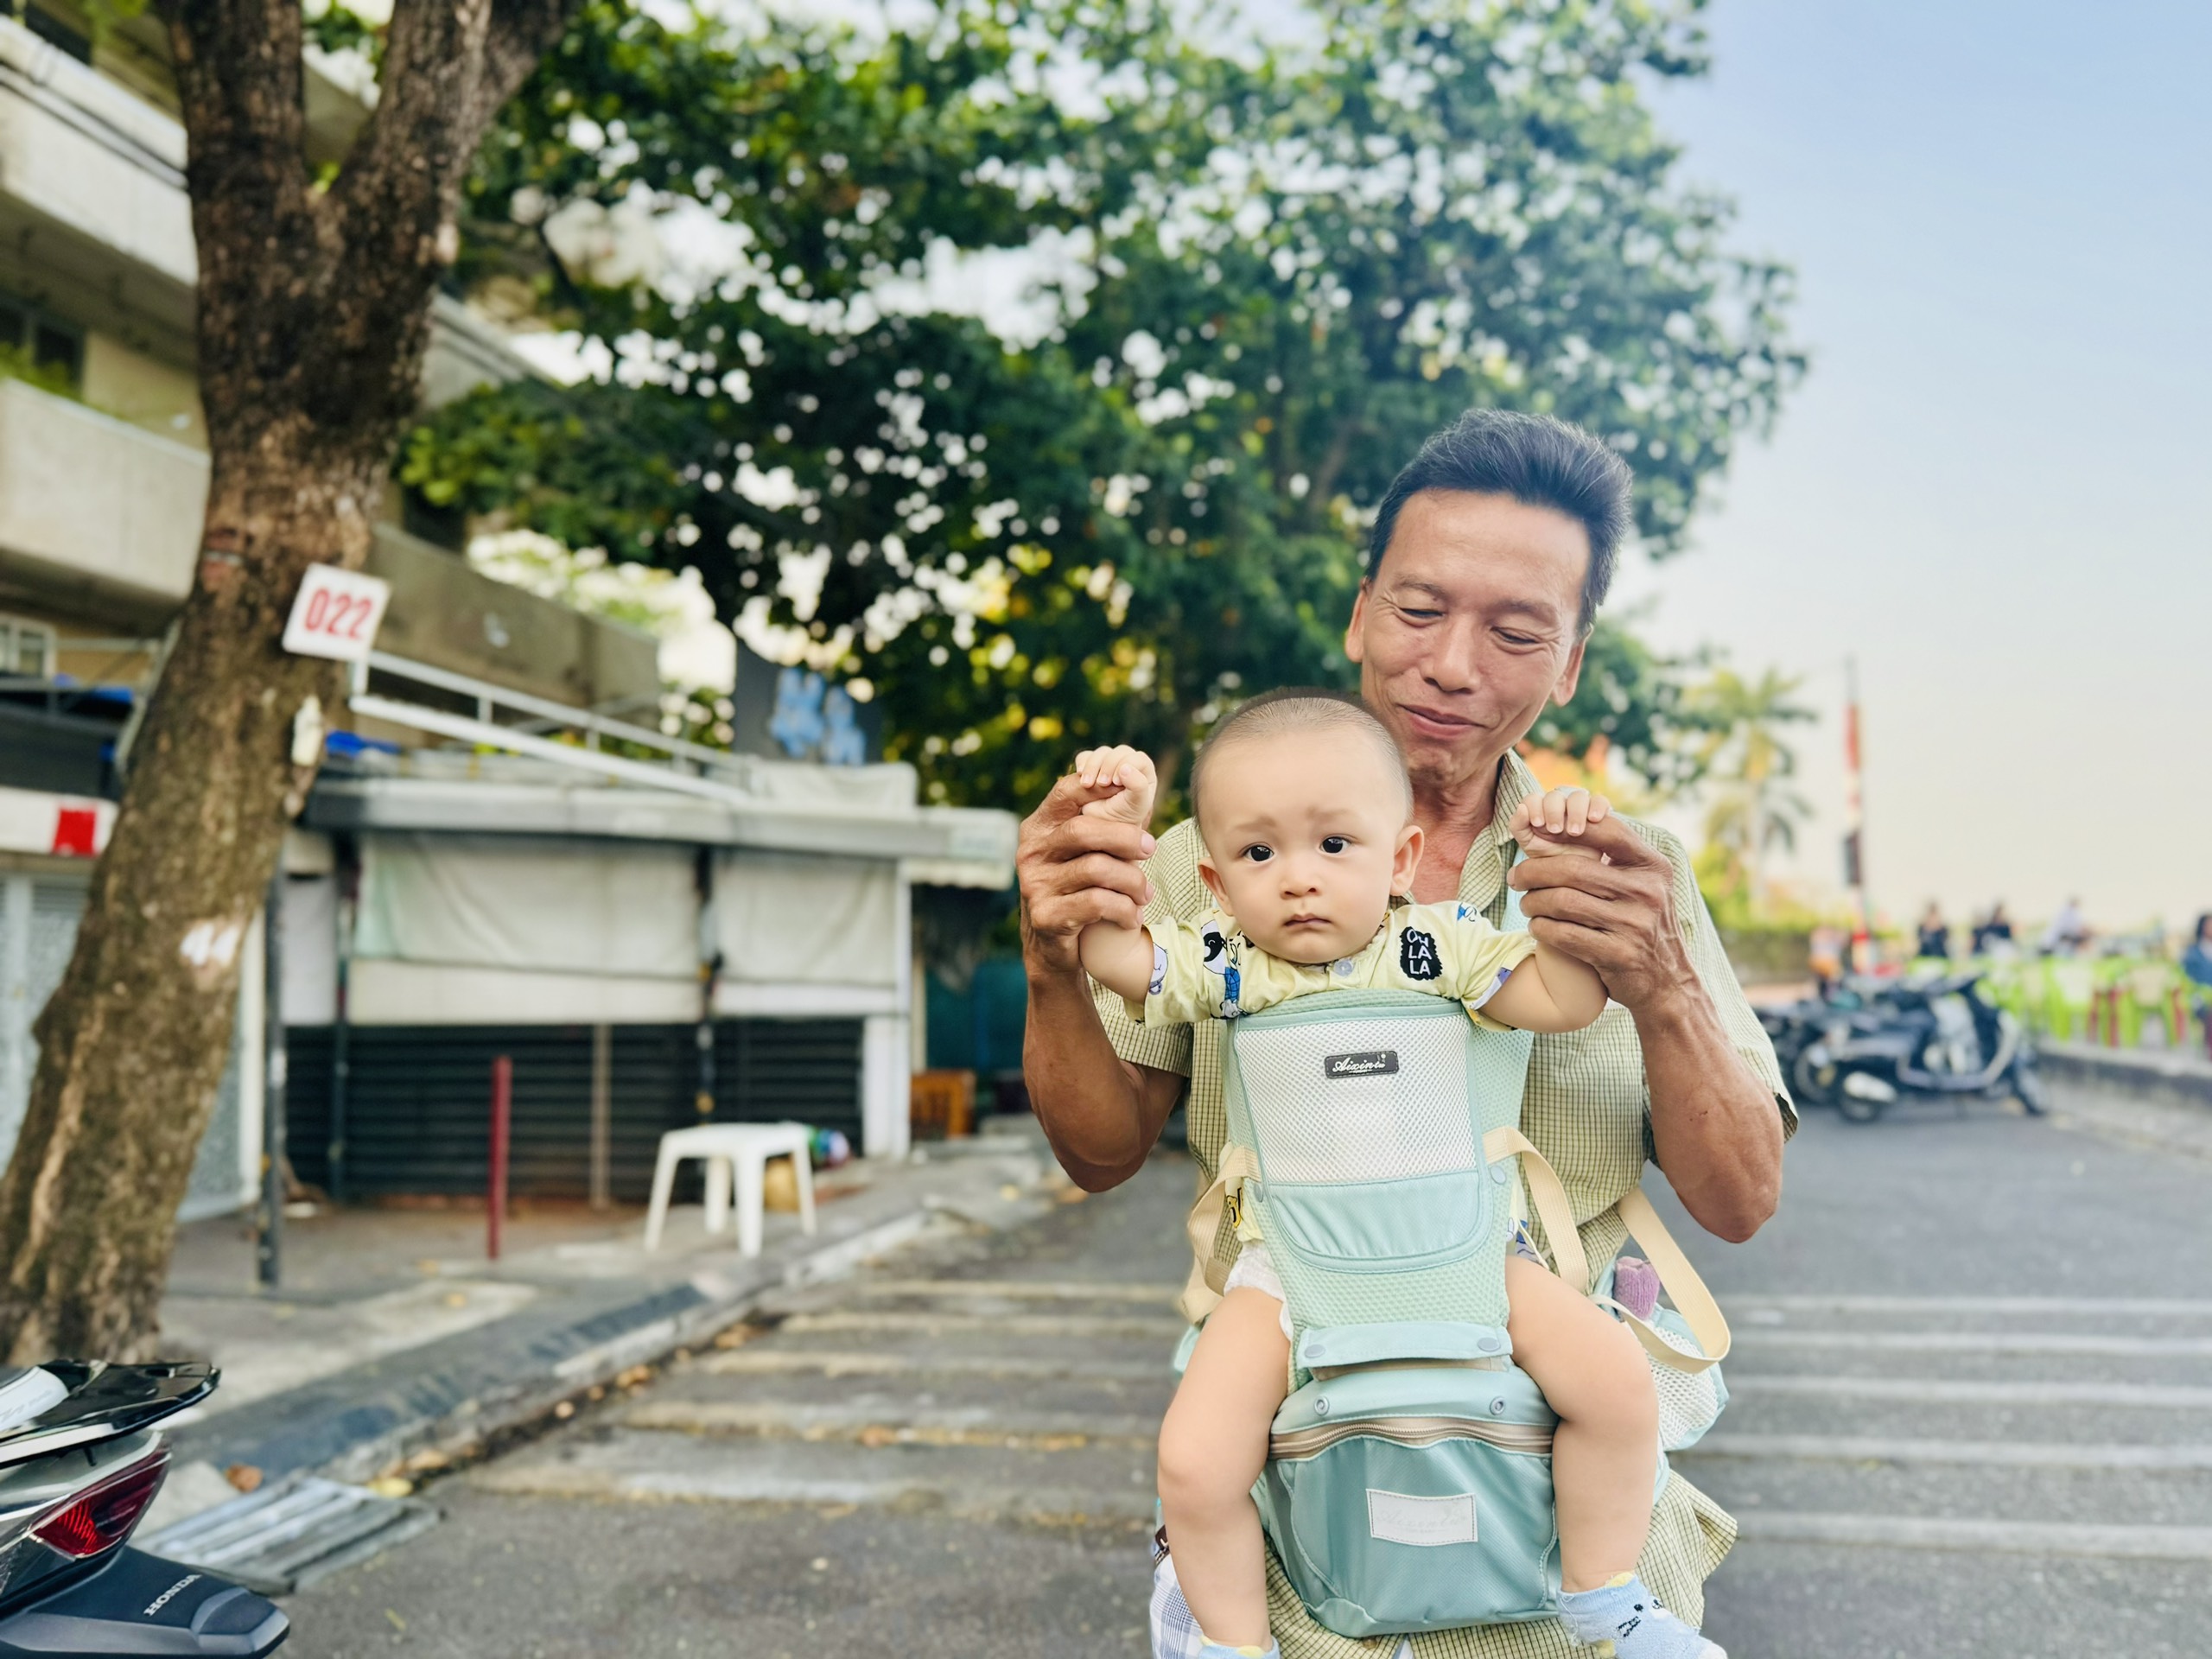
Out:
{"x": 744, "y": 1149}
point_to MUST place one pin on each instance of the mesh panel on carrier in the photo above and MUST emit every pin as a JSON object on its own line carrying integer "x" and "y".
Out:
{"x": 1392, "y": 1092}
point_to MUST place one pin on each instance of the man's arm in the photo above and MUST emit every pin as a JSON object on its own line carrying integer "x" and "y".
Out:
{"x": 1101, "y": 1113}
{"x": 1716, "y": 1130}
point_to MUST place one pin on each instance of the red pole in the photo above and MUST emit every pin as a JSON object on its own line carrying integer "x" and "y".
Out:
{"x": 503, "y": 1089}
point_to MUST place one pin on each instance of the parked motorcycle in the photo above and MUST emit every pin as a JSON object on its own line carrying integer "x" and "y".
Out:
{"x": 1793, "y": 1027}
{"x": 81, "y": 1464}
{"x": 1936, "y": 1039}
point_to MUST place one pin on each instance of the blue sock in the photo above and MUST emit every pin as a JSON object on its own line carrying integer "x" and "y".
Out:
{"x": 1626, "y": 1620}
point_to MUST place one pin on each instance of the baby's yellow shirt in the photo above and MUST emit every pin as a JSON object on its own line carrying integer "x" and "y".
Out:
{"x": 1205, "y": 971}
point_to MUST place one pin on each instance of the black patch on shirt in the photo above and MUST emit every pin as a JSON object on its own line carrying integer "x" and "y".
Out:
{"x": 1365, "y": 1063}
{"x": 1417, "y": 957}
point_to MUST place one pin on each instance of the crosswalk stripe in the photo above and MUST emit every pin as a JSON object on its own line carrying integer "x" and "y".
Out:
{"x": 881, "y": 1423}
{"x": 1054, "y": 1290}
{"x": 763, "y": 1361}
{"x": 1923, "y": 1391}
{"x": 1163, "y": 1331}
{"x": 1835, "y": 1448}
{"x": 2004, "y": 1537}
{"x": 2151, "y": 1307}
{"x": 1981, "y": 1342}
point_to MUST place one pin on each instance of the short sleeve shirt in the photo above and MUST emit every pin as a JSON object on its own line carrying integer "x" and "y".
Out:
{"x": 1586, "y": 1107}
{"x": 1207, "y": 970}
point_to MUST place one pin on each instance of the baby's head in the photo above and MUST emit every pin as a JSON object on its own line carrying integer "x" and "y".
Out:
{"x": 1307, "y": 814}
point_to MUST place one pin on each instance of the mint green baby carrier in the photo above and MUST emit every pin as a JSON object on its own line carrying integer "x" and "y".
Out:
{"x": 1372, "y": 1135}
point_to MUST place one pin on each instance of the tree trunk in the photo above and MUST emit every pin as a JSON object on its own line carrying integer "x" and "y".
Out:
{"x": 313, "y": 311}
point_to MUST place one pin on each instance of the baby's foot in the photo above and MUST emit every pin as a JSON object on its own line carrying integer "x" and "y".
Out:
{"x": 1623, "y": 1620}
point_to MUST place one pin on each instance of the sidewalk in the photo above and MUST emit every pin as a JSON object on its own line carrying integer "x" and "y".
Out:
{"x": 2160, "y": 1099}
{"x": 393, "y": 1337}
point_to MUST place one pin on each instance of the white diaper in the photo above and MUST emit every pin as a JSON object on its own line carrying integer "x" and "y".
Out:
{"x": 1255, "y": 1269}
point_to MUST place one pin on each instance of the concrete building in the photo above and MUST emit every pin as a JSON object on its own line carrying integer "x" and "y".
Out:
{"x": 465, "y": 902}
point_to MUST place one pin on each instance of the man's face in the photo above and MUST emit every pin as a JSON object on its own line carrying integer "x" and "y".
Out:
{"x": 1467, "y": 628}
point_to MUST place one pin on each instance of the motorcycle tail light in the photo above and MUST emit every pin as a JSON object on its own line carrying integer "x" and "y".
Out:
{"x": 96, "y": 1520}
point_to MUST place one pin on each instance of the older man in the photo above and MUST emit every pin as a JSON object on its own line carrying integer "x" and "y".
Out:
{"x": 1490, "y": 555}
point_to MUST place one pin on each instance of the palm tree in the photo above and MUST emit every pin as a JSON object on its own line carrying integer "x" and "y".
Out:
{"x": 1743, "y": 753}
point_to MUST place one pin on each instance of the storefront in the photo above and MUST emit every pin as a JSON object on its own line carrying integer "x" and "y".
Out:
{"x": 643, "y": 958}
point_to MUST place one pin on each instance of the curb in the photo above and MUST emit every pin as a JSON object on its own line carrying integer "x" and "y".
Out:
{"x": 2156, "y": 1074}
{"x": 455, "y": 1393}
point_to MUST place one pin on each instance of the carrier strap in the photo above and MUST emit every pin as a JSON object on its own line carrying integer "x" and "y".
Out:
{"x": 1549, "y": 1198}
{"x": 1683, "y": 1284}
{"x": 1202, "y": 1290}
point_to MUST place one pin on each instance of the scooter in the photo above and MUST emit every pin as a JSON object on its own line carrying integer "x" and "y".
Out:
{"x": 81, "y": 1464}
{"x": 1939, "y": 1038}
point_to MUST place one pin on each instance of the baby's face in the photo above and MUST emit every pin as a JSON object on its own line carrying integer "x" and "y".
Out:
{"x": 1306, "y": 839}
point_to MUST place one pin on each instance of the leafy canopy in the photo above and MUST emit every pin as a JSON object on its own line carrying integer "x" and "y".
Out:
{"x": 1260, "y": 278}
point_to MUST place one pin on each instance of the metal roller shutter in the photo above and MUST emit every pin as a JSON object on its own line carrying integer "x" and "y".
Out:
{"x": 419, "y": 1100}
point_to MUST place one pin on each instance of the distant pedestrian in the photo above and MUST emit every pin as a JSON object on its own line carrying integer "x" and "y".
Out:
{"x": 2196, "y": 963}
{"x": 2067, "y": 932}
{"x": 2197, "y": 955}
{"x": 1935, "y": 934}
{"x": 1824, "y": 959}
{"x": 1994, "y": 937}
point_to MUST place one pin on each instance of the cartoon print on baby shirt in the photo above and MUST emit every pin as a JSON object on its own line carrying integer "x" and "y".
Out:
{"x": 1159, "y": 970}
{"x": 1222, "y": 956}
{"x": 1417, "y": 957}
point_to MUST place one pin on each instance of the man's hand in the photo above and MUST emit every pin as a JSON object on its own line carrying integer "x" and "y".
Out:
{"x": 1714, "y": 1128}
{"x": 1616, "y": 912}
{"x": 1076, "y": 867}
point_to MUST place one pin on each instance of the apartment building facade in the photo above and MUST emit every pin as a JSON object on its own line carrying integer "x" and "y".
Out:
{"x": 463, "y": 863}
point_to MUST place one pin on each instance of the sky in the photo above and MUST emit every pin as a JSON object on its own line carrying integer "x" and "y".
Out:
{"x": 1989, "y": 489}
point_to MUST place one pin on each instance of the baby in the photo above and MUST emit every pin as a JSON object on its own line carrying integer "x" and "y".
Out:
{"x": 1306, "y": 812}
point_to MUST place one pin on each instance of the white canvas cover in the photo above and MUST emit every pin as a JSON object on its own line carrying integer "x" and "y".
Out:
{"x": 790, "y": 918}
{"x": 541, "y": 906}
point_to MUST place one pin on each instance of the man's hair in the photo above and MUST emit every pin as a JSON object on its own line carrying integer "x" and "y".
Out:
{"x": 1538, "y": 460}
{"x": 1297, "y": 709}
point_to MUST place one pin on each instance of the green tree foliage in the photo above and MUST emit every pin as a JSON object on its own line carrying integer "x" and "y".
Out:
{"x": 1265, "y": 277}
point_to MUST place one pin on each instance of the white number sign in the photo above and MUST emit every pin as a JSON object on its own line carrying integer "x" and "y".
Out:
{"x": 336, "y": 613}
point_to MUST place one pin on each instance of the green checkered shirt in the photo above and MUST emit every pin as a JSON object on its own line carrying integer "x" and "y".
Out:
{"x": 1587, "y": 1110}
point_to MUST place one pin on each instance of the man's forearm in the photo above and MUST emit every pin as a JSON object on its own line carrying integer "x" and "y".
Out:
{"x": 1715, "y": 1130}
{"x": 1100, "y": 1120}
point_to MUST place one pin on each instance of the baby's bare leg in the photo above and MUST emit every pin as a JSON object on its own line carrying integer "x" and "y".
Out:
{"x": 1606, "y": 1454}
{"x": 1211, "y": 1448}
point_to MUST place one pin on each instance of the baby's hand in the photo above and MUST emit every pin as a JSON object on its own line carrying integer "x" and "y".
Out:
{"x": 1546, "y": 825}
{"x": 1122, "y": 783}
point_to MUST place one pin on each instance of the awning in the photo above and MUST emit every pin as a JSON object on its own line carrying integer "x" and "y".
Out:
{"x": 964, "y": 847}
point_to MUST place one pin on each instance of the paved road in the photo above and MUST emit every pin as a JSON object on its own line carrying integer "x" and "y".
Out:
{"x": 1973, "y": 1416}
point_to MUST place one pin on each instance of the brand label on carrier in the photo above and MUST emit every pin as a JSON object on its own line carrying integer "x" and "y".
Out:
{"x": 1366, "y": 1063}
{"x": 1401, "y": 1518}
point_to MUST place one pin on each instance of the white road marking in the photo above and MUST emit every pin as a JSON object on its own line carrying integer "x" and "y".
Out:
{"x": 880, "y": 1422}
{"x": 1981, "y": 1342}
{"x": 1077, "y": 1326}
{"x": 1058, "y": 1290}
{"x": 2059, "y": 1306}
{"x": 1831, "y": 1448}
{"x": 758, "y": 1361}
{"x": 2003, "y": 1537}
{"x": 1918, "y": 1390}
